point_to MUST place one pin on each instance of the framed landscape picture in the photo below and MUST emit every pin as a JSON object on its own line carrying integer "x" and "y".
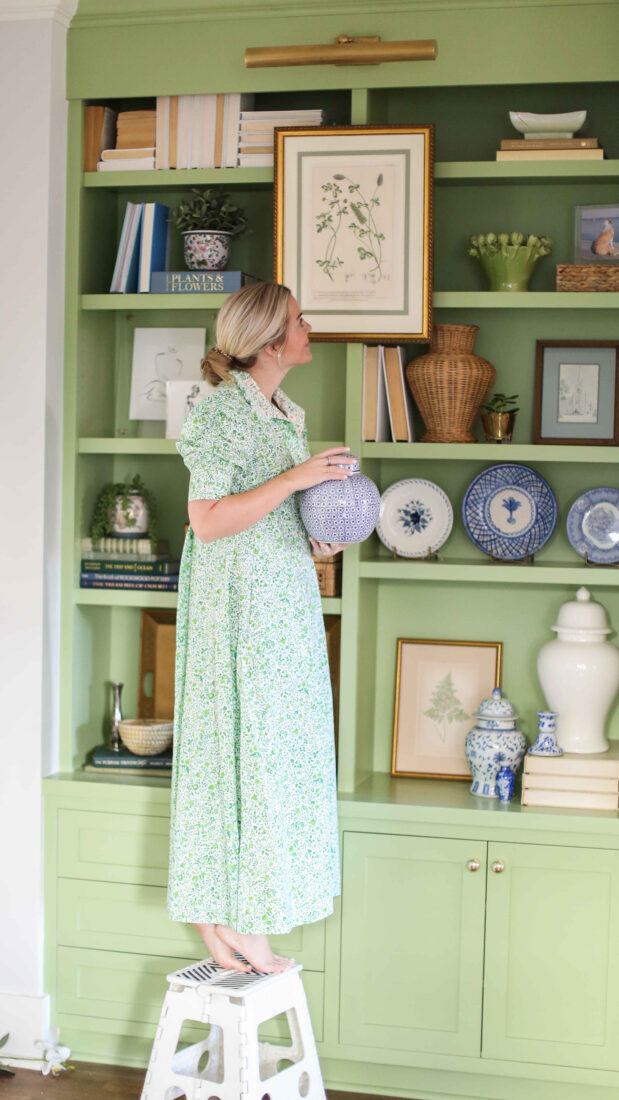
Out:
{"x": 576, "y": 396}
{"x": 439, "y": 686}
{"x": 353, "y": 229}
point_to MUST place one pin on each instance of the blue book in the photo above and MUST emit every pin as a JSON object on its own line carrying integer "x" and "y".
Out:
{"x": 167, "y": 583}
{"x": 125, "y": 277}
{"x": 197, "y": 282}
{"x": 155, "y": 243}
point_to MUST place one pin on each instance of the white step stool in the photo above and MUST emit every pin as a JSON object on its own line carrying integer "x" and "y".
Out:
{"x": 238, "y": 1066}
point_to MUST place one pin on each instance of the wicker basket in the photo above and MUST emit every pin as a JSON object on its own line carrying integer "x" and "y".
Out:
{"x": 146, "y": 736}
{"x": 449, "y": 384}
{"x": 587, "y": 277}
{"x": 329, "y": 571}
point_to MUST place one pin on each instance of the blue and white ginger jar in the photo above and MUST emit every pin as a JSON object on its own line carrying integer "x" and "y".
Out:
{"x": 341, "y": 511}
{"x": 493, "y": 743}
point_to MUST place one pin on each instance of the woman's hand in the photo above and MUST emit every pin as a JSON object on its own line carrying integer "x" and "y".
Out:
{"x": 320, "y": 467}
{"x": 326, "y": 549}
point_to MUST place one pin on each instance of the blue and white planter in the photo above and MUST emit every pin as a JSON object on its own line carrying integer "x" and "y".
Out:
{"x": 493, "y": 743}
{"x": 341, "y": 511}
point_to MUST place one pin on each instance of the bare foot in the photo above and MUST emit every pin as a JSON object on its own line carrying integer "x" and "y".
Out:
{"x": 255, "y": 949}
{"x": 219, "y": 949}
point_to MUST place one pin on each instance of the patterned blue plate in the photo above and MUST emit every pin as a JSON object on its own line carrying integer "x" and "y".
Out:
{"x": 509, "y": 511}
{"x": 593, "y": 526}
{"x": 415, "y": 517}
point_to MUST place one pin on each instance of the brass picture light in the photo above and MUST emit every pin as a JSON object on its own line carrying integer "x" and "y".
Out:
{"x": 369, "y": 50}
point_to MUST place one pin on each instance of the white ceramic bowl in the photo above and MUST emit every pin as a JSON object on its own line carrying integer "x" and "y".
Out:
{"x": 565, "y": 124}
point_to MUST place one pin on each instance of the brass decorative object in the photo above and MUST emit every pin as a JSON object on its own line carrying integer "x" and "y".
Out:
{"x": 498, "y": 427}
{"x": 346, "y": 50}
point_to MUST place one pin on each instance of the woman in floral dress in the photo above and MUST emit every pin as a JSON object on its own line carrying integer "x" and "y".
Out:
{"x": 254, "y": 841}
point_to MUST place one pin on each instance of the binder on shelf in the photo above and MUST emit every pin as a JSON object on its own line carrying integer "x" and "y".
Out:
{"x": 375, "y": 412}
{"x": 154, "y": 244}
{"x": 125, "y": 275}
{"x": 399, "y": 399}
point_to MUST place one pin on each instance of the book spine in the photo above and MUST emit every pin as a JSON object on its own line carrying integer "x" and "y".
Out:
{"x": 120, "y": 567}
{"x": 552, "y": 143}
{"x": 571, "y": 800}
{"x": 113, "y": 580}
{"x": 195, "y": 282}
{"x": 111, "y": 545}
{"x": 572, "y": 765}
{"x": 144, "y": 764}
{"x": 588, "y": 783}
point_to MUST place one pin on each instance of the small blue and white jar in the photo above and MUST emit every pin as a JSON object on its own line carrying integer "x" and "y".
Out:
{"x": 505, "y": 782}
{"x": 494, "y": 742}
{"x": 546, "y": 743}
{"x": 341, "y": 511}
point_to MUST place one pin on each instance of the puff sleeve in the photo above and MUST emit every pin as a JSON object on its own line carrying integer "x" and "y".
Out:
{"x": 212, "y": 449}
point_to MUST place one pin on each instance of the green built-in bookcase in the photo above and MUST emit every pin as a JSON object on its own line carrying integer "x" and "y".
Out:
{"x": 492, "y": 57}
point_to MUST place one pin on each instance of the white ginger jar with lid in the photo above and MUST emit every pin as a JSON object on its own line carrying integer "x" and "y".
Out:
{"x": 579, "y": 674}
{"x": 493, "y": 743}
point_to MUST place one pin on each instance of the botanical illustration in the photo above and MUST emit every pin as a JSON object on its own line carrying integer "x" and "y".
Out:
{"x": 578, "y": 393}
{"x": 346, "y": 209}
{"x": 445, "y": 706}
{"x": 415, "y": 517}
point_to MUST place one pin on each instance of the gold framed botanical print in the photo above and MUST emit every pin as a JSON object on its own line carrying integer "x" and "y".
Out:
{"x": 439, "y": 686}
{"x": 353, "y": 229}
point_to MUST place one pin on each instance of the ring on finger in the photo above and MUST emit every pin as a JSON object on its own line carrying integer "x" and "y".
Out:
{"x": 328, "y": 460}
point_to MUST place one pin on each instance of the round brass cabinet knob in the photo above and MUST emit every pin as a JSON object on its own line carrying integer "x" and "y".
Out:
{"x": 498, "y": 866}
{"x": 473, "y": 865}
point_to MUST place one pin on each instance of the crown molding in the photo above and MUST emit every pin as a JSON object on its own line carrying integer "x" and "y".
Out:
{"x": 127, "y": 12}
{"x": 59, "y": 11}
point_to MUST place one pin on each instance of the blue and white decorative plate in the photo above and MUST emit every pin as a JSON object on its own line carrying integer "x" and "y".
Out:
{"x": 415, "y": 518}
{"x": 593, "y": 526}
{"x": 509, "y": 511}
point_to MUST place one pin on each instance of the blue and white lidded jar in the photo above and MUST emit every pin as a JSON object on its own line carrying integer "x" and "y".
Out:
{"x": 493, "y": 742}
{"x": 341, "y": 511}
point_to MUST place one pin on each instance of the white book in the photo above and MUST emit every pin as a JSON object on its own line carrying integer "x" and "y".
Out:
{"x": 247, "y": 140}
{"x": 127, "y": 154}
{"x": 304, "y": 115}
{"x": 575, "y": 763}
{"x": 252, "y": 126}
{"x": 162, "y": 132}
{"x": 127, "y": 235}
{"x": 399, "y": 398}
{"x": 198, "y": 111}
{"x": 235, "y": 103}
{"x": 256, "y": 160}
{"x": 571, "y": 800}
{"x": 591, "y": 783}
{"x": 185, "y": 120}
{"x": 134, "y": 164}
{"x": 209, "y": 123}
{"x": 375, "y": 411}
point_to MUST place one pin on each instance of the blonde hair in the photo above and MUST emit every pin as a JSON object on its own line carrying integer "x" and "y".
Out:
{"x": 251, "y": 318}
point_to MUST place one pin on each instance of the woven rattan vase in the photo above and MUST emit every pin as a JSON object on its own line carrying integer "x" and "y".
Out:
{"x": 450, "y": 383}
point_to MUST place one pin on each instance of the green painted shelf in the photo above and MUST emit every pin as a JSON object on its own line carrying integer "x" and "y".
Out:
{"x": 138, "y": 597}
{"x": 443, "y": 299}
{"x": 124, "y": 445}
{"x": 456, "y": 171}
{"x": 463, "y": 571}
{"x": 491, "y": 452}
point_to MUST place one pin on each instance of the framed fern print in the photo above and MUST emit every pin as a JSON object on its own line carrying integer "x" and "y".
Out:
{"x": 439, "y": 686}
{"x": 353, "y": 229}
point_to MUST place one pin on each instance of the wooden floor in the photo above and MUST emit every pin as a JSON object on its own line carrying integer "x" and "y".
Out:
{"x": 93, "y": 1081}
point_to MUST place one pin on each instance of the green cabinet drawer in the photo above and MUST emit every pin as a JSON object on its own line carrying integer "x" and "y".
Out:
{"x": 552, "y": 956}
{"x": 412, "y": 943}
{"x": 127, "y": 917}
{"x": 113, "y": 847}
{"x": 125, "y": 989}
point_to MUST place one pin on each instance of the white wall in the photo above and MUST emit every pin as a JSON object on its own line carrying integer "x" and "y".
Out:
{"x": 33, "y": 143}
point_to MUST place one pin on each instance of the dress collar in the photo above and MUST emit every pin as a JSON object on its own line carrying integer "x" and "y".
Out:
{"x": 265, "y": 408}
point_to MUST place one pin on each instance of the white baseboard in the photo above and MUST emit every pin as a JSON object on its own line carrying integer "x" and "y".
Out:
{"x": 26, "y": 1018}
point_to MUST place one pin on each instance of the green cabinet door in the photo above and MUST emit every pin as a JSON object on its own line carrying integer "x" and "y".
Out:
{"x": 552, "y": 956}
{"x": 412, "y": 943}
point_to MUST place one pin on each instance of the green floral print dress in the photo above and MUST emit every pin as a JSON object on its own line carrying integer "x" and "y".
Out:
{"x": 254, "y": 841}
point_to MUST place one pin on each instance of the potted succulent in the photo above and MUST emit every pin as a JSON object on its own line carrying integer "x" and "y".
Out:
{"x": 124, "y": 509}
{"x": 208, "y": 221}
{"x": 508, "y": 259}
{"x": 498, "y": 417}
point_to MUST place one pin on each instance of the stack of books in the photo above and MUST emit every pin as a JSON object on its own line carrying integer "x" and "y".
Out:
{"x": 387, "y": 401}
{"x": 135, "y": 143}
{"x": 102, "y": 759}
{"x": 256, "y": 133}
{"x": 550, "y": 149}
{"x": 580, "y": 781}
{"x": 113, "y": 565}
